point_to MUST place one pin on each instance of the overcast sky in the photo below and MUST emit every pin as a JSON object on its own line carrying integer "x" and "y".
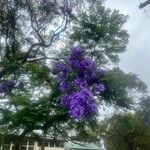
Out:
{"x": 137, "y": 57}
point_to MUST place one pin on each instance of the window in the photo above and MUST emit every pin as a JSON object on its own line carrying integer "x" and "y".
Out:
{"x": 23, "y": 147}
{"x": 46, "y": 143}
{"x": 61, "y": 144}
{"x": 57, "y": 144}
{"x": 39, "y": 142}
{"x": 30, "y": 148}
{"x": 31, "y": 142}
{"x": 24, "y": 142}
{"x": 51, "y": 143}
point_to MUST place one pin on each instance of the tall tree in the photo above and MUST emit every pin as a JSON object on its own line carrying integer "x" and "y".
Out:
{"x": 31, "y": 32}
{"x": 127, "y": 132}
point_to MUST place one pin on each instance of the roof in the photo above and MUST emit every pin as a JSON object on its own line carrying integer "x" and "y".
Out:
{"x": 84, "y": 146}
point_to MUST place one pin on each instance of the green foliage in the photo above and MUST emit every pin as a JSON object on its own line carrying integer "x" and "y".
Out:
{"x": 119, "y": 84}
{"x": 100, "y": 30}
{"x": 20, "y": 100}
{"x": 30, "y": 34}
{"x": 38, "y": 73}
{"x": 144, "y": 109}
{"x": 127, "y": 132}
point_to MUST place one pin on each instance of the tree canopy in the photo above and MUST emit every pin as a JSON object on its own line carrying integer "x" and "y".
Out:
{"x": 35, "y": 35}
{"x": 127, "y": 132}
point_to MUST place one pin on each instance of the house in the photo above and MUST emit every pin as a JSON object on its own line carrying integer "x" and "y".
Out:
{"x": 32, "y": 143}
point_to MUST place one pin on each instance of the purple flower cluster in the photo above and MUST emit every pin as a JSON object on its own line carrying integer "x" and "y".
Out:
{"x": 79, "y": 79}
{"x": 6, "y": 86}
{"x": 80, "y": 104}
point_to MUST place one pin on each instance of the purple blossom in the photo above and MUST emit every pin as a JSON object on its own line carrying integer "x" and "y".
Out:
{"x": 87, "y": 68}
{"x": 77, "y": 98}
{"x": 64, "y": 86}
{"x": 62, "y": 70}
{"x": 61, "y": 77}
{"x": 92, "y": 109}
{"x": 77, "y": 106}
{"x": 84, "y": 95}
{"x": 6, "y": 86}
{"x": 61, "y": 67}
{"x": 87, "y": 65}
{"x": 80, "y": 104}
{"x": 96, "y": 76}
{"x": 75, "y": 64}
{"x": 65, "y": 101}
{"x": 79, "y": 79}
{"x": 88, "y": 95}
{"x": 79, "y": 82}
{"x": 77, "y": 53}
{"x": 91, "y": 78}
{"x": 77, "y": 111}
{"x": 99, "y": 88}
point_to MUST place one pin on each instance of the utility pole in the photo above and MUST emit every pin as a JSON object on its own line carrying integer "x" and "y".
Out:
{"x": 142, "y": 5}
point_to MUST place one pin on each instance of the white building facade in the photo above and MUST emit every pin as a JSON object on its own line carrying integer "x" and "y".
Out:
{"x": 50, "y": 144}
{"x": 33, "y": 144}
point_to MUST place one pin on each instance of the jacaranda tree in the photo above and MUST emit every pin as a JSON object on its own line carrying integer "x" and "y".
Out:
{"x": 47, "y": 86}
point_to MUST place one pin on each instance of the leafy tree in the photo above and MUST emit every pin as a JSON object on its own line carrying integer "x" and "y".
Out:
{"x": 144, "y": 109}
{"x": 127, "y": 132}
{"x": 101, "y": 30}
{"x": 30, "y": 32}
{"x": 120, "y": 85}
